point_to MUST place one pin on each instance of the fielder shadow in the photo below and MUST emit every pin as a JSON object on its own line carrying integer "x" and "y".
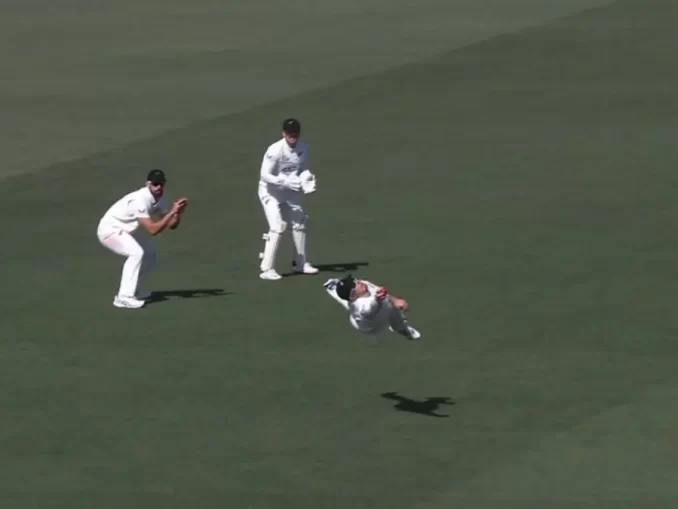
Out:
{"x": 427, "y": 406}
{"x": 334, "y": 267}
{"x": 198, "y": 293}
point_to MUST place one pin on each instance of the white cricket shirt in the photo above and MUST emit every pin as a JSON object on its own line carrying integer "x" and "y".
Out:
{"x": 279, "y": 162}
{"x": 124, "y": 214}
{"x": 367, "y": 313}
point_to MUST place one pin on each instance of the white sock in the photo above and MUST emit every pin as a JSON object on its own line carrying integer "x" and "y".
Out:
{"x": 270, "y": 251}
{"x": 299, "y": 237}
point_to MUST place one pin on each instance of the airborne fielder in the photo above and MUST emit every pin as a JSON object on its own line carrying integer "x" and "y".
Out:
{"x": 371, "y": 309}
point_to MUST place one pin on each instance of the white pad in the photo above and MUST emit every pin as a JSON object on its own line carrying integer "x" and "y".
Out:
{"x": 270, "y": 251}
{"x": 274, "y": 216}
{"x": 299, "y": 237}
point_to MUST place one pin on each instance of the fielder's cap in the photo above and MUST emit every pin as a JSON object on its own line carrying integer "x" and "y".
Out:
{"x": 344, "y": 287}
{"x": 156, "y": 177}
{"x": 291, "y": 126}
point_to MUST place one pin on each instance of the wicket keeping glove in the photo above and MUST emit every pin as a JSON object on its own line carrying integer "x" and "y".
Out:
{"x": 308, "y": 182}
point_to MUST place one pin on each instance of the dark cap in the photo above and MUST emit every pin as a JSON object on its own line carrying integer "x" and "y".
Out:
{"x": 291, "y": 126}
{"x": 344, "y": 287}
{"x": 156, "y": 177}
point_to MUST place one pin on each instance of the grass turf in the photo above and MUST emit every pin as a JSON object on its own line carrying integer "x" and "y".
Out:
{"x": 518, "y": 192}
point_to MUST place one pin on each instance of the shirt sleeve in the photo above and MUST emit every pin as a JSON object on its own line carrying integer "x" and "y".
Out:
{"x": 268, "y": 167}
{"x": 140, "y": 208}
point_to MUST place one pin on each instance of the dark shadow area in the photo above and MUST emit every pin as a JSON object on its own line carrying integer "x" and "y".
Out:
{"x": 427, "y": 406}
{"x": 334, "y": 267}
{"x": 200, "y": 293}
{"x": 341, "y": 267}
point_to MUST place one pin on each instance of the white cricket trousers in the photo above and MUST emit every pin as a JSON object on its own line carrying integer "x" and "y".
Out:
{"x": 140, "y": 254}
{"x": 389, "y": 316}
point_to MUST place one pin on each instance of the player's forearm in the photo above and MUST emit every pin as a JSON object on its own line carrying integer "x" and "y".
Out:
{"x": 269, "y": 178}
{"x": 157, "y": 227}
{"x": 267, "y": 174}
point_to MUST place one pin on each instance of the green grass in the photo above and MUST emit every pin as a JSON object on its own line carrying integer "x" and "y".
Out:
{"x": 81, "y": 81}
{"x": 518, "y": 192}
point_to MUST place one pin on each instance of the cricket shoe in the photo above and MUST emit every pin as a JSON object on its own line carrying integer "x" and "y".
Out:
{"x": 413, "y": 333}
{"x": 409, "y": 333}
{"x": 307, "y": 268}
{"x": 128, "y": 302}
{"x": 270, "y": 275}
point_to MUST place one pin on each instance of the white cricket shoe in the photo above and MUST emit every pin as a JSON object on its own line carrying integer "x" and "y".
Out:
{"x": 409, "y": 333}
{"x": 128, "y": 302}
{"x": 413, "y": 333}
{"x": 270, "y": 275}
{"x": 307, "y": 268}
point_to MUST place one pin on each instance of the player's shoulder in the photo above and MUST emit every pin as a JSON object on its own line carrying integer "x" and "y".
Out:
{"x": 129, "y": 196}
{"x": 141, "y": 196}
{"x": 143, "y": 193}
{"x": 275, "y": 148}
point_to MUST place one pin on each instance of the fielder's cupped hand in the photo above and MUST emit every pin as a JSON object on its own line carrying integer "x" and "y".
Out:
{"x": 382, "y": 293}
{"x": 180, "y": 205}
{"x": 400, "y": 304}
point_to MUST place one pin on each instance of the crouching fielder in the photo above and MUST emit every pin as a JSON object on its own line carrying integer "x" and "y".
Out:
{"x": 371, "y": 309}
{"x": 119, "y": 231}
{"x": 283, "y": 178}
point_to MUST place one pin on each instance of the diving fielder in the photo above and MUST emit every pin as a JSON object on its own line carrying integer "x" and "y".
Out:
{"x": 119, "y": 232}
{"x": 284, "y": 177}
{"x": 371, "y": 309}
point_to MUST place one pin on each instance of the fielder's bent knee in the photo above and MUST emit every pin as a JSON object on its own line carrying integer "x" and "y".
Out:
{"x": 139, "y": 251}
